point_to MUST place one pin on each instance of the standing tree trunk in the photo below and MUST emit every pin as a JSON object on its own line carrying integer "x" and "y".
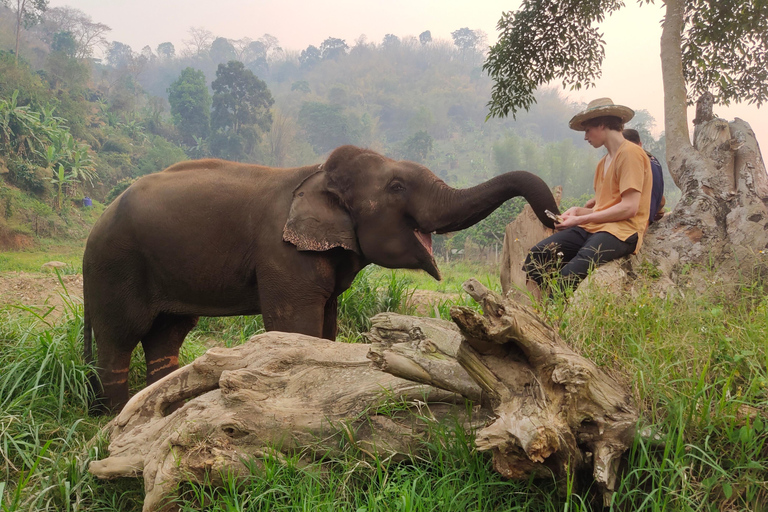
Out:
{"x": 721, "y": 220}
{"x": 19, "y": 16}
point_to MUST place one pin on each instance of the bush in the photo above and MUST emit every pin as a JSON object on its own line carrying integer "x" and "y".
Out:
{"x": 116, "y": 146}
{"x": 160, "y": 155}
{"x": 118, "y": 189}
{"x": 369, "y": 296}
{"x": 28, "y": 177}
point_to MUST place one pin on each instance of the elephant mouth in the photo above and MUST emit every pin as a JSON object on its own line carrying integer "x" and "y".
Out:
{"x": 430, "y": 266}
{"x": 425, "y": 239}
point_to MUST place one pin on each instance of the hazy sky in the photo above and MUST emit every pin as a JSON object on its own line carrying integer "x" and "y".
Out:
{"x": 631, "y": 70}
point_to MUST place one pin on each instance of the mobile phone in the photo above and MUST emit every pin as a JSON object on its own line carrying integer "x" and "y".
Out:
{"x": 554, "y": 217}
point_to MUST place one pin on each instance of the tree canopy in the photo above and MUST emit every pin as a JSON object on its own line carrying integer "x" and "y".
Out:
{"x": 190, "y": 105}
{"x": 325, "y": 126}
{"x": 333, "y": 48}
{"x": 241, "y": 107}
{"x": 724, "y": 50}
{"x": 87, "y": 34}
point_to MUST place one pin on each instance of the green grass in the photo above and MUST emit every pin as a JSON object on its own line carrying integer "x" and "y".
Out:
{"x": 31, "y": 261}
{"x": 453, "y": 275}
{"x": 696, "y": 362}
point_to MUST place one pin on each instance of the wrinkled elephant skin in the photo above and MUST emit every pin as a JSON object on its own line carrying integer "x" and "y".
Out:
{"x": 217, "y": 238}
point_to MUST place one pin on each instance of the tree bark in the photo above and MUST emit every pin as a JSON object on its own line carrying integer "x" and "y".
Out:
{"x": 519, "y": 236}
{"x": 721, "y": 220}
{"x": 19, "y": 17}
{"x": 546, "y": 411}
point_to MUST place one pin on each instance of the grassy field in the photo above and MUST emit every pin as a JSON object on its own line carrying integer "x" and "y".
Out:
{"x": 697, "y": 364}
{"x": 70, "y": 253}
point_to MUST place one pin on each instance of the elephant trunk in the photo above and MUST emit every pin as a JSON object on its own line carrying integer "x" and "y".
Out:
{"x": 456, "y": 209}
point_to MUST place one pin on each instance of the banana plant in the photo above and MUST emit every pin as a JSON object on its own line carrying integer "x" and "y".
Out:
{"x": 81, "y": 165}
{"x": 19, "y": 126}
{"x": 60, "y": 180}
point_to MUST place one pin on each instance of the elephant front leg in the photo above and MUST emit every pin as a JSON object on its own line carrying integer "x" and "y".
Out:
{"x": 112, "y": 390}
{"x": 331, "y": 318}
{"x": 304, "y": 314}
{"x": 162, "y": 343}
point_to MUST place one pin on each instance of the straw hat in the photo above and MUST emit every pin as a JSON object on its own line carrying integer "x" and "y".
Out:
{"x": 599, "y": 108}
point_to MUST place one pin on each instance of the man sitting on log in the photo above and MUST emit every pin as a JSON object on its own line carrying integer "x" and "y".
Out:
{"x": 613, "y": 227}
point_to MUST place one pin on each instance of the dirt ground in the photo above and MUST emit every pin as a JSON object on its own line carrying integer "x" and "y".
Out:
{"x": 41, "y": 290}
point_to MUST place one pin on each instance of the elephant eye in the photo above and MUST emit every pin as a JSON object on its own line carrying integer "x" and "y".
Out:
{"x": 396, "y": 186}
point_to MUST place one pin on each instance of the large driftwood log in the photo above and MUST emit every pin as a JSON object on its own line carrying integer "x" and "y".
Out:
{"x": 543, "y": 409}
{"x": 556, "y": 411}
{"x": 421, "y": 350}
{"x": 278, "y": 394}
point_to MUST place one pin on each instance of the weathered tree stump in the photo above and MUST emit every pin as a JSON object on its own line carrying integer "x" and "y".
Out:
{"x": 721, "y": 220}
{"x": 519, "y": 236}
{"x": 543, "y": 410}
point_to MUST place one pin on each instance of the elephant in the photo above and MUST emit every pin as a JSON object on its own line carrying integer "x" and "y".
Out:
{"x": 219, "y": 238}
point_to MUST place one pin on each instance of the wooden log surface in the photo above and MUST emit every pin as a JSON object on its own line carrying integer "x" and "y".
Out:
{"x": 279, "y": 394}
{"x": 519, "y": 236}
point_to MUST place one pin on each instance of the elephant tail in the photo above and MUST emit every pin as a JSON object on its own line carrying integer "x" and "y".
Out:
{"x": 87, "y": 336}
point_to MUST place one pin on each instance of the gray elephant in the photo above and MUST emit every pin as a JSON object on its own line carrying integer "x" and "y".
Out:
{"x": 218, "y": 238}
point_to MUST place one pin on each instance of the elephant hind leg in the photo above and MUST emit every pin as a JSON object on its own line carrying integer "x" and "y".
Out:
{"x": 112, "y": 385}
{"x": 162, "y": 343}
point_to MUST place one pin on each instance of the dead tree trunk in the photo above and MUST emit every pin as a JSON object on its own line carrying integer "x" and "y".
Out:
{"x": 721, "y": 220}
{"x": 520, "y": 235}
{"x": 555, "y": 412}
{"x": 546, "y": 410}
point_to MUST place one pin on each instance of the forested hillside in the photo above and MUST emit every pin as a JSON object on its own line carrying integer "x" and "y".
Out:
{"x": 81, "y": 115}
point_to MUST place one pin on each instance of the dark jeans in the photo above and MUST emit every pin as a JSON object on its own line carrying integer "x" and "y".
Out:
{"x": 573, "y": 252}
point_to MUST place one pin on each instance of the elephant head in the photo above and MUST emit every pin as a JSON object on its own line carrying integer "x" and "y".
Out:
{"x": 387, "y": 210}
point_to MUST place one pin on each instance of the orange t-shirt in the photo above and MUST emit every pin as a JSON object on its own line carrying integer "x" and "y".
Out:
{"x": 630, "y": 169}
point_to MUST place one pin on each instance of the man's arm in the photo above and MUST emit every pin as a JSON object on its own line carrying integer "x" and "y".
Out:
{"x": 623, "y": 210}
{"x": 577, "y": 210}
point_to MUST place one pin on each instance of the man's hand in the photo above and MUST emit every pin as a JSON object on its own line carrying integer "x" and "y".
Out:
{"x": 571, "y": 218}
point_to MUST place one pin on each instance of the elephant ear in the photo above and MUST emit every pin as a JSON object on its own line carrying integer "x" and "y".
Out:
{"x": 317, "y": 221}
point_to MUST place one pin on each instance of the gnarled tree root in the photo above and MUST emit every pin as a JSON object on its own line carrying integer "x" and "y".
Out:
{"x": 555, "y": 412}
